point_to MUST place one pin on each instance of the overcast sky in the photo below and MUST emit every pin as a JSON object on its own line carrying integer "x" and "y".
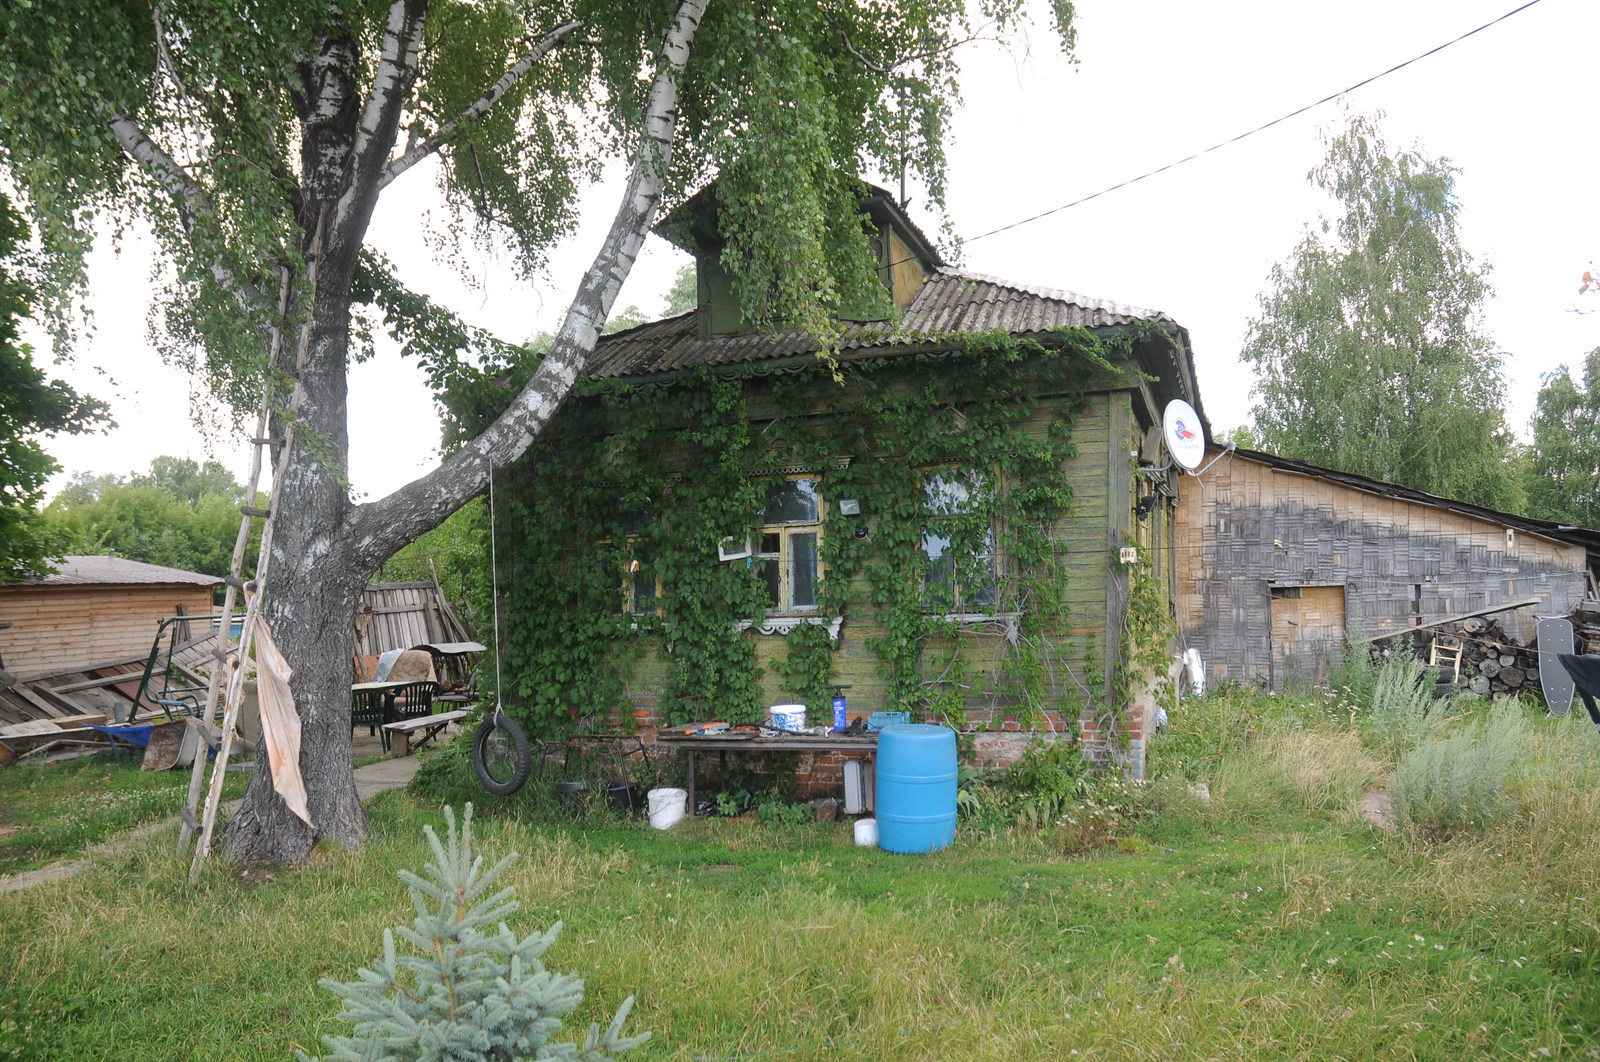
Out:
{"x": 1156, "y": 80}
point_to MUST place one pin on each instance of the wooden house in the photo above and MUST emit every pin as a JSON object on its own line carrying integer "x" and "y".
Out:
{"x": 94, "y": 609}
{"x": 1281, "y": 564}
{"x": 937, "y": 515}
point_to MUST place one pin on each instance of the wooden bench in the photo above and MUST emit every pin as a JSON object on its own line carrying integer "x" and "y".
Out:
{"x": 430, "y": 725}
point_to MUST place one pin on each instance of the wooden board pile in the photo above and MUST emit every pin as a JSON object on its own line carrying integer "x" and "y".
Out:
{"x": 59, "y": 708}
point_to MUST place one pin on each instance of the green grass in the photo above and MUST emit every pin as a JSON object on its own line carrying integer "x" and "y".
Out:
{"x": 1271, "y": 922}
{"x": 59, "y": 810}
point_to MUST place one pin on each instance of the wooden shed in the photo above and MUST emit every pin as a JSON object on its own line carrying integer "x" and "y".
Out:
{"x": 1281, "y": 563}
{"x": 94, "y": 609}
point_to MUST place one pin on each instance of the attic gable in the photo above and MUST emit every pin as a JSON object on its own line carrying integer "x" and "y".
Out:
{"x": 906, "y": 258}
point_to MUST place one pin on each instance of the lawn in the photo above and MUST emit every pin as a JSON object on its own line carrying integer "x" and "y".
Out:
{"x": 51, "y": 812}
{"x": 1273, "y": 920}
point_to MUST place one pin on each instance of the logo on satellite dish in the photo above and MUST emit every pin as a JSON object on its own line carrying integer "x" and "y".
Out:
{"x": 1186, "y": 440}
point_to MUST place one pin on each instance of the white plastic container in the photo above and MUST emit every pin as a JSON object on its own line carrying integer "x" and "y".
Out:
{"x": 667, "y": 807}
{"x": 788, "y": 716}
{"x": 867, "y": 833}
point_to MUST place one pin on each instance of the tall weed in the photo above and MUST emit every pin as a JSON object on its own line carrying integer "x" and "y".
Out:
{"x": 1473, "y": 776}
{"x": 1403, "y": 714}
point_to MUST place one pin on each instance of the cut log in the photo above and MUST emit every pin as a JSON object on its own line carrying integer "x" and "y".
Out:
{"x": 1511, "y": 677}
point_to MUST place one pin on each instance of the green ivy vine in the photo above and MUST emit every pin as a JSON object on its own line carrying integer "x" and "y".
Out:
{"x": 640, "y": 481}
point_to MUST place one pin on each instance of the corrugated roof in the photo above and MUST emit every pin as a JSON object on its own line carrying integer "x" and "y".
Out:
{"x": 100, "y": 570}
{"x": 951, "y": 301}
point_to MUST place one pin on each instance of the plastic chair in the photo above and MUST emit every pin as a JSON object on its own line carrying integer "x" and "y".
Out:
{"x": 412, "y": 701}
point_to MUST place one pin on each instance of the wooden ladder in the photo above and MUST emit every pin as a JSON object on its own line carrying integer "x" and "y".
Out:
{"x": 1446, "y": 652}
{"x": 227, "y": 673}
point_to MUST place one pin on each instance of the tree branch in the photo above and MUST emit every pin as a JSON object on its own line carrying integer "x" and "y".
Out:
{"x": 190, "y": 199}
{"x": 416, "y": 152}
{"x": 380, "y": 115}
{"x": 378, "y": 529}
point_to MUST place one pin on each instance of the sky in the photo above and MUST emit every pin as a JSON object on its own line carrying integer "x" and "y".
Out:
{"x": 1155, "y": 81}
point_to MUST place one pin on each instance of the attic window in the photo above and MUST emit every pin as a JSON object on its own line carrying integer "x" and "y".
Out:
{"x": 1288, "y": 593}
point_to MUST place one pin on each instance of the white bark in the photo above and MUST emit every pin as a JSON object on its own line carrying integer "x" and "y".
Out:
{"x": 389, "y": 523}
{"x": 480, "y": 106}
{"x": 191, "y": 200}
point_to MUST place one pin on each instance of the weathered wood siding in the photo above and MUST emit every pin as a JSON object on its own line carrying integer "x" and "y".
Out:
{"x": 59, "y": 627}
{"x": 1246, "y": 528}
{"x": 1078, "y": 657}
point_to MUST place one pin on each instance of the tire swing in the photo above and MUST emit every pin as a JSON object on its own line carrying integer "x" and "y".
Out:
{"x": 500, "y": 754}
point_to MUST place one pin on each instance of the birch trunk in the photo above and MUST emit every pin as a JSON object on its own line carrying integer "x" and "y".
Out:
{"x": 325, "y": 548}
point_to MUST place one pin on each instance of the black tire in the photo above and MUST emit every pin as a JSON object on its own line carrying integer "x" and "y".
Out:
{"x": 500, "y": 755}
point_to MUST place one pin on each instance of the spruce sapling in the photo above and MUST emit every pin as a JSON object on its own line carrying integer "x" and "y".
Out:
{"x": 472, "y": 993}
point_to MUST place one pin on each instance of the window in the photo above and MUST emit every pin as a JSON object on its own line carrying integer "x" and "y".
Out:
{"x": 958, "y": 543}
{"x": 786, "y": 552}
{"x": 641, "y": 588}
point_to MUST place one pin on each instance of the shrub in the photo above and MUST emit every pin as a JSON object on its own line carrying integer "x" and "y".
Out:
{"x": 471, "y": 993}
{"x": 1471, "y": 777}
{"x": 1404, "y": 714}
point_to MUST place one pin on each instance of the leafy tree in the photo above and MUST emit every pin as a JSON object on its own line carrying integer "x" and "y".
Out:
{"x": 684, "y": 295}
{"x": 181, "y": 515}
{"x": 255, "y": 139}
{"x": 31, "y": 407}
{"x": 1562, "y": 473}
{"x": 1368, "y": 346}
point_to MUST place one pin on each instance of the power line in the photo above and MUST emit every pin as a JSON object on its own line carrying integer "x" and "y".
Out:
{"x": 1257, "y": 129}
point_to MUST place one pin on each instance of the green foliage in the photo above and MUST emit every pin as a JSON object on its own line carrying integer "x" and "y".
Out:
{"x": 32, "y": 408}
{"x": 1403, "y": 712}
{"x": 473, "y": 990}
{"x": 181, "y": 515}
{"x": 1368, "y": 349}
{"x": 1048, "y": 780}
{"x": 1201, "y": 732}
{"x": 1559, "y": 475}
{"x": 684, "y": 294}
{"x": 783, "y": 814}
{"x": 1469, "y": 776}
{"x": 55, "y": 811}
{"x": 829, "y": 89}
{"x": 684, "y": 467}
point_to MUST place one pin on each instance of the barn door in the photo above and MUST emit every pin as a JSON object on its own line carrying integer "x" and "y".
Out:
{"x": 1307, "y": 634}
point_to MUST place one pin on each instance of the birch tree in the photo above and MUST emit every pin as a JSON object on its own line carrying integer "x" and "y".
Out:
{"x": 255, "y": 137}
{"x": 1369, "y": 349}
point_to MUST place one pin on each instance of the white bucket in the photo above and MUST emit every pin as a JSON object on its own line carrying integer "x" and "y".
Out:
{"x": 788, "y": 716}
{"x": 867, "y": 833}
{"x": 667, "y": 807}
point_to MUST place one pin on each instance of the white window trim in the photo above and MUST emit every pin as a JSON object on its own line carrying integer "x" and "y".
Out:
{"x": 782, "y": 625}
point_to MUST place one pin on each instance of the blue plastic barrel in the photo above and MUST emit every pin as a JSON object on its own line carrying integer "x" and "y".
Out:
{"x": 916, "y": 787}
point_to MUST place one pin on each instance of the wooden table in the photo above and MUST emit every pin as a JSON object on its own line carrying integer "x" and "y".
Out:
{"x": 761, "y": 741}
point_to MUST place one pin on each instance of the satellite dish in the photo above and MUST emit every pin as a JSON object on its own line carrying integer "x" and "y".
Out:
{"x": 1186, "y": 439}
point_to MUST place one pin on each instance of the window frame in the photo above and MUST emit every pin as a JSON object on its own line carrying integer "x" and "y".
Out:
{"x": 635, "y": 526}
{"x": 786, "y": 531}
{"x": 978, "y": 488}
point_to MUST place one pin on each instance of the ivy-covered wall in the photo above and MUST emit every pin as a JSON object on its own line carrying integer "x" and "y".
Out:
{"x": 1016, "y": 457}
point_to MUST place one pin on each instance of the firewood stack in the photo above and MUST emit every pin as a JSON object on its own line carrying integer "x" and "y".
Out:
{"x": 1493, "y": 663}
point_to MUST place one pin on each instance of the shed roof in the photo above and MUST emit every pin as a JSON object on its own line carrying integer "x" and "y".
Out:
{"x": 106, "y": 570}
{"x": 951, "y": 301}
{"x": 1589, "y": 538}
